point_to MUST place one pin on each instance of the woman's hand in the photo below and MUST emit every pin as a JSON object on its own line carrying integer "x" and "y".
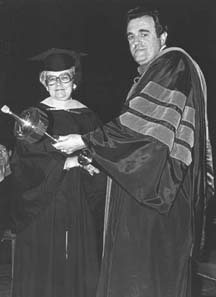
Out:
{"x": 69, "y": 143}
{"x": 71, "y": 162}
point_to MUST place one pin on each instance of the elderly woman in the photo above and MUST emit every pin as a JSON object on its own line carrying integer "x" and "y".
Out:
{"x": 59, "y": 214}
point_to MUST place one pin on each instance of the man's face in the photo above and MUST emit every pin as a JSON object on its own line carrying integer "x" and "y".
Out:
{"x": 143, "y": 41}
{"x": 59, "y": 84}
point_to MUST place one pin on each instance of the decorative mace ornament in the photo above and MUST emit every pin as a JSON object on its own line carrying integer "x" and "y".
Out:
{"x": 31, "y": 125}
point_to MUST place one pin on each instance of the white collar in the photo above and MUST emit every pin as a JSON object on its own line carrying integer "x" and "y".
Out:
{"x": 59, "y": 105}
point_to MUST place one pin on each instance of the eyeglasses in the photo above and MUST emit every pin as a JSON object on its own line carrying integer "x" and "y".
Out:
{"x": 63, "y": 78}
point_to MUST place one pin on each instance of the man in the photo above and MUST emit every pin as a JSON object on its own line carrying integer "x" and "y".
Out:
{"x": 4, "y": 162}
{"x": 158, "y": 155}
{"x": 6, "y": 193}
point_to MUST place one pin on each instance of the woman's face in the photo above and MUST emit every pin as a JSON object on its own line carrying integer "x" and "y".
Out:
{"x": 59, "y": 84}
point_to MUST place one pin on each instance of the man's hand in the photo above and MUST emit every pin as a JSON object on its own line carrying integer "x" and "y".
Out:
{"x": 69, "y": 143}
{"x": 91, "y": 169}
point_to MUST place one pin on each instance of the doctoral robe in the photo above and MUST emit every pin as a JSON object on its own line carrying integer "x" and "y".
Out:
{"x": 56, "y": 214}
{"x": 158, "y": 155}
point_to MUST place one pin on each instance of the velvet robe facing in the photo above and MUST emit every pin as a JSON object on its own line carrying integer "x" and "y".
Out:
{"x": 158, "y": 154}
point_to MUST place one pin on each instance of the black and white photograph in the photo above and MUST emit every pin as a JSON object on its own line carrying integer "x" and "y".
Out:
{"x": 107, "y": 148}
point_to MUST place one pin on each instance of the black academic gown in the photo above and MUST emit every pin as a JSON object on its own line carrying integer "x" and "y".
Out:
{"x": 158, "y": 155}
{"x": 56, "y": 215}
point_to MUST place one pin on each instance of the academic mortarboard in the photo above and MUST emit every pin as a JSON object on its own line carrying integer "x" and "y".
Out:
{"x": 56, "y": 59}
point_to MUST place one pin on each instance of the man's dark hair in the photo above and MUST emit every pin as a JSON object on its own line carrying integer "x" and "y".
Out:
{"x": 138, "y": 12}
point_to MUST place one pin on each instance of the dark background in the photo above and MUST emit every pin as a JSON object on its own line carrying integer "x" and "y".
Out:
{"x": 28, "y": 27}
{"x": 97, "y": 27}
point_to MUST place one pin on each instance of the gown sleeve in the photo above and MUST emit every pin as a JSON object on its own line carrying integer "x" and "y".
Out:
{"x": 37, "y": 169}
{"x": 149, "y": 147}
{"x": 36, "y": 174}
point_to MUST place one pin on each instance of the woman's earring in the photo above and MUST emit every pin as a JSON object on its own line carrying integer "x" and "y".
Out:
{"x": 74, "y": 86}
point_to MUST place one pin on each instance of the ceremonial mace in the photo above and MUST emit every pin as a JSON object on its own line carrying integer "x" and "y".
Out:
{"x": 31, "y": 125}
